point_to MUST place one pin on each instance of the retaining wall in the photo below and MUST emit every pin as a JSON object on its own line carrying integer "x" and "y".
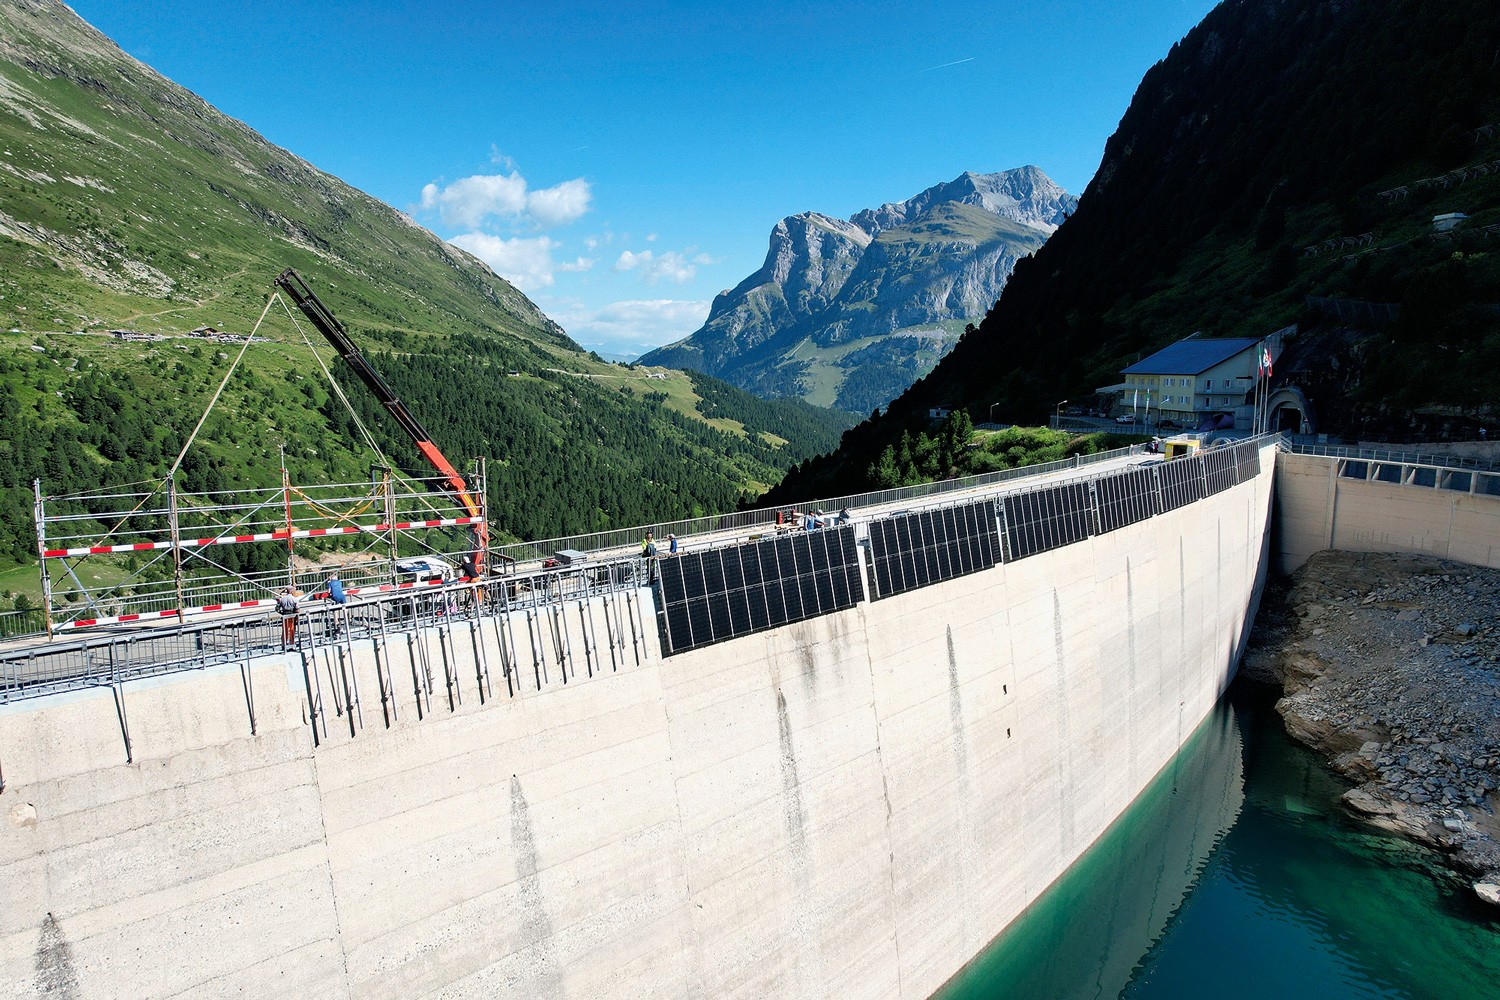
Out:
{"x": 848, "y": 806}
{"x": 1318, "y": 509}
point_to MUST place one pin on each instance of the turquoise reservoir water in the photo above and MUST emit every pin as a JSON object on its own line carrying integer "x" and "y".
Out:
{"x": 1237, "y": 875}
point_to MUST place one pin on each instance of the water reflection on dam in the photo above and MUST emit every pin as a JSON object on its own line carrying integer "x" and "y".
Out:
{"x": 1238, "y": 874}
{"x": 1086, "y": 934}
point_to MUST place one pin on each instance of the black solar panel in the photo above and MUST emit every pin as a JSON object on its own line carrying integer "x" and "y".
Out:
{"x": 776, "y": 604}
{"x": 734, "y": 576}
{"x": 713, "y": 595}
{"x": 719, "y": 594}
{"x": 838, "y": 580}
{"x": 1125, "y": 498}
{"x": 814, "y": 599}
{"x": 671, "y": 582}
{"x": 1045, "y": 519}
{"x": 1221, "y": 470}
{"x": 692, "y": 572}
{"x": 1181, "y": 481}
{"x": 916, "y": 550}
{"x": 802, "y": 554}
{"x": 679, "y": 635}
{"x": 1247, "y": 456}
{"x": 713, "y": 572}
{"x": 755, "y": 600}
{"x": 698, "y": 620}
{"x": 739, "y": 613}
{"x": 718, "y": 616}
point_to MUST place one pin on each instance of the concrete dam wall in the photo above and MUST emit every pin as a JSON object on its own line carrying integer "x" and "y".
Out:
{"x": 850, "y": 805}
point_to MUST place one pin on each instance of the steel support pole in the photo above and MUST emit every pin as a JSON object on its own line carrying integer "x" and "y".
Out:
{"x": 40, "y": 513}
{"x": 176, "y": 545}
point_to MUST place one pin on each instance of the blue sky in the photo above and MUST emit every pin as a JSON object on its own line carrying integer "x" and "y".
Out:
{"x": 622, "y": 163}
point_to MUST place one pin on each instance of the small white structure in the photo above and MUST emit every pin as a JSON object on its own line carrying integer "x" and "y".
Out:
{"x": 1447, "y": 222}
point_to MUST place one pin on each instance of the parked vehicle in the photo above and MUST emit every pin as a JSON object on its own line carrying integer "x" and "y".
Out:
{"x": 425, "y": 569}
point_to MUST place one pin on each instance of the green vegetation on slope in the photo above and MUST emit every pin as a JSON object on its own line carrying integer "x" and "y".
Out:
{"x": 953, "y": 449}
{"x": 128, "y": 203}
{"x": 568, "y": 453}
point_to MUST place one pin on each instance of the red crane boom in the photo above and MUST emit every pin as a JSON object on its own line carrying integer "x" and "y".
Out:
{"x": 328, "y": 325}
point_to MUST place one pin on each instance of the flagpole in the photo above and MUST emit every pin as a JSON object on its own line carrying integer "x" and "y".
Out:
{"x": 1260, "y": 369}
{"x": 1260, "y": 407}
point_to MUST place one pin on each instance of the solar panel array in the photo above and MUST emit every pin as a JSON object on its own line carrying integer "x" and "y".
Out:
{"x": 931, "y": 546}
{"x": 719, "y": 594}
{"x": 1046, "y": 519}
{"x": 1125, "y": 498}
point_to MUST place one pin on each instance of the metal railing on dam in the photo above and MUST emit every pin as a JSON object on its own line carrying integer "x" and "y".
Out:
{"x": 128, "y": 653}
{"x": 1409, "y": 468}
{"x": 766, "y": 517}
{"x": 157, "y": 561}
{"x": 731, "y": 583}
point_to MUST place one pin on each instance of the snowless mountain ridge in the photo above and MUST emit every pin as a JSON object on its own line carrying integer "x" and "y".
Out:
{"x": 849, "y": 312}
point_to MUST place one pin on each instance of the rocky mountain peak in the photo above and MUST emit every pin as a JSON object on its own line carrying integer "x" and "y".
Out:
{"x": 850, "y": 312}
{"x": 1024, "y": 195}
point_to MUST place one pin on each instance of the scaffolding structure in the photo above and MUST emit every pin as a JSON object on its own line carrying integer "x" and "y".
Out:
{"x": 111, "y": 557}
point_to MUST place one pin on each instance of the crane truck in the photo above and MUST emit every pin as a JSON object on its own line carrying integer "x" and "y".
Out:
{"x": 333, "y": 331}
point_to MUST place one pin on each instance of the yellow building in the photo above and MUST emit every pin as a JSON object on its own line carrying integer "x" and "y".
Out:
{"x": 1192, "y": 381}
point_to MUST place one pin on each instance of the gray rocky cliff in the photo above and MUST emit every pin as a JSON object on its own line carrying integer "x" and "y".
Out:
{"x": 928, "y": 264}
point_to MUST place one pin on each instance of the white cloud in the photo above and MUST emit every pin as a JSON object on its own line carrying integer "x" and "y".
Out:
{"x": 559, "y": 204}
{"x": 632, "y": 326}
{"x": 652, "y": 267}
{"x": 468, "y": 201}
{"x": 525, "y": 263}
{"x": 581, "y": 264}
{"x": 629, "y": 260}
{"x": 471, "y": 200}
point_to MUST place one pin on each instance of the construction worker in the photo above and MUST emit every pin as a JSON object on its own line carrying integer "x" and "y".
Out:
{"x": 648, "y": 553}
{"x": 286, "y": 604}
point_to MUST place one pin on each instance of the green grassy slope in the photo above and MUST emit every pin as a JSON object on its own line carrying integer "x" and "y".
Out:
{"x": 129, "y": 201}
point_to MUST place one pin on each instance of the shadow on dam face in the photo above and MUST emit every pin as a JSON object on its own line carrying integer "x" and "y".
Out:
{"x": 1096, "y": 921}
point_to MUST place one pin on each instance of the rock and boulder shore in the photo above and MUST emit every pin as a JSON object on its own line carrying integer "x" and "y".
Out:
{"x": 1390, "y": 667}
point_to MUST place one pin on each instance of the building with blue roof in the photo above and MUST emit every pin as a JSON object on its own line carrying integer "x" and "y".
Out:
{"x": 1194, "y": 380}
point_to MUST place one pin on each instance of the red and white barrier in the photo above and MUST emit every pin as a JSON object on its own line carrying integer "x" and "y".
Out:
{"x": 265, "y": 536}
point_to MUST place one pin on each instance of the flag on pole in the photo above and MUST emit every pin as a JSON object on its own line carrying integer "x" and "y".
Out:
{"x": 1266, "y": 356}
